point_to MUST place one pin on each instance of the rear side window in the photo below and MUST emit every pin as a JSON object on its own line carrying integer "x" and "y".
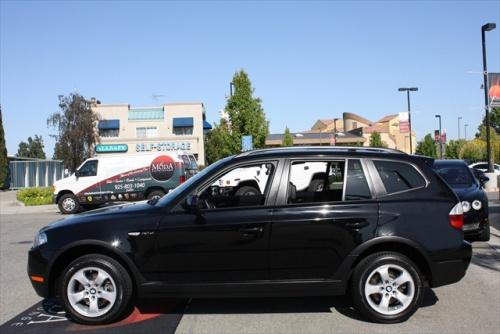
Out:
{"x": 356, "y": 186}
{"x": 398, "y": 176}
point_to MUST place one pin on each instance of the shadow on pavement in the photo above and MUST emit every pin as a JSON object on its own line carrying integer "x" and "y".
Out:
{"x": 486, "y": 256}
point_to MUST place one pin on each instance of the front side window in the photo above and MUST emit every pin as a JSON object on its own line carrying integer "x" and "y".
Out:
{"x": 88, "y": 169}
{"x": 241, "y": 187}
{"x": 398, "y": 176}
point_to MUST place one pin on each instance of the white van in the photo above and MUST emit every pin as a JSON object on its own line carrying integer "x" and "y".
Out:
{"x": 120, "y": 178}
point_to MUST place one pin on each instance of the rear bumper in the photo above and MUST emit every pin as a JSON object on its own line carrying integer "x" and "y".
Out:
{"x": 451, "y": 270}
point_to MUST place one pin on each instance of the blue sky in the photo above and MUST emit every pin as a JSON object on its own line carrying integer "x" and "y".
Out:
{"x": 307, "y": 60}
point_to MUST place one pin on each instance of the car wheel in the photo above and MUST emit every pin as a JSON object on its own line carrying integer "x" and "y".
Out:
{"x": 68, "y": 204}
{"x": 386, "y": 287}
{"x": 485, "y": 235}
{"x": 156, "y": 194}
{"x": 95, "y": 289}
{"x": 316, "y": 185}
{"x": 247, "y": 191}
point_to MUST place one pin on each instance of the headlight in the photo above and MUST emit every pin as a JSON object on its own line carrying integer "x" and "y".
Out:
{"x": 40, "y": 239}
{"x": 476, "y": 205}
{"x": 466, "y": 206}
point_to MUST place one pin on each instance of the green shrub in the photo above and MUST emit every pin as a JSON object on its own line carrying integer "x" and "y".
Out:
{"x": 35, "y": 196}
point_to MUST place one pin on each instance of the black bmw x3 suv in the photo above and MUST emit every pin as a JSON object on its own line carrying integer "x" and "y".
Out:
{"x": 375, "y": 223}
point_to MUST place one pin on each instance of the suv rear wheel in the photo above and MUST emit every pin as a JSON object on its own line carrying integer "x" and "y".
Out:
{"x": 95, "y": 289}
{"x": 386, "y": 287}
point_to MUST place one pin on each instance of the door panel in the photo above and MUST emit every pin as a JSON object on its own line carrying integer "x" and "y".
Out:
{"x": 217, "y": 246}
{"x": 311, "y": 241}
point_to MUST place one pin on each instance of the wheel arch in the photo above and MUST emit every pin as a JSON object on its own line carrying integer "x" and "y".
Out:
{"x": 63, "y": 192}
{"x": 80, "y": 248}
{"x": 399, "y": 245}
{"x": 154, "y": 188}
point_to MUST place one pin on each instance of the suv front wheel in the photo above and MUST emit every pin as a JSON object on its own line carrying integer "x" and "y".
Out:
{"x": 386, "y": 287}
{"x": 95, "y": 289}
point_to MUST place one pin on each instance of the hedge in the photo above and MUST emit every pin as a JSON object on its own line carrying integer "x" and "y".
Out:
{"x": 35, "y": 196}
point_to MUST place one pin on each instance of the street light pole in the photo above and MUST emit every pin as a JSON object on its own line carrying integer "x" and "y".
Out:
{"x": 440, "y": 139}
{"x": 484, "y": 28}
{"x": 459, "y": 118}
{"x": 408, "y": 90}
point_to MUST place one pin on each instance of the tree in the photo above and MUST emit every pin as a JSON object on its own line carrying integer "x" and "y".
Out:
{"x": 32, "y": 149}
{"x": 494, "y": 123}
{"x": 4, "y": 164}
{"x": 246, "y": 116}
{"x": 376, "y": 140}
{"x": 473, "y": 150}
{"x": 427, "y": 147}
{"x": 453, "y": 148}
{"x": 287, "y": 138}
{"x": 217, "y": 142}
{"x": 76, "y": 136}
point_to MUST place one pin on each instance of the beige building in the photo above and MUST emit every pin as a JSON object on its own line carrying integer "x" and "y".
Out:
{"x": 131, "y": 130}
{"x": 353, "y": 130}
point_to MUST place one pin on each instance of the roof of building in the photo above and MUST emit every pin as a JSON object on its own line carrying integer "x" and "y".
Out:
{"x": 356, "y": 118}
{"x": 387, "y": 118}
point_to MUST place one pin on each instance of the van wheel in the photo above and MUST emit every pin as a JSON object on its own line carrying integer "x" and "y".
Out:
{"x": 68, "y": 204}
{"x": 247, "y": 191}
{"x": 386, "y": 287}
{"x": 156, "y": 194}
{"x": 95, "y": 290}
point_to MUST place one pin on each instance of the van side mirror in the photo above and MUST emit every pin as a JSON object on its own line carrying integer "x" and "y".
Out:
{"x": 77, "y": 173}
{"x": 193, "y": 204}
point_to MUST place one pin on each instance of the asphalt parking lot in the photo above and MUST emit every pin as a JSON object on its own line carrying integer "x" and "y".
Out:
{"x": 472, "y": 305}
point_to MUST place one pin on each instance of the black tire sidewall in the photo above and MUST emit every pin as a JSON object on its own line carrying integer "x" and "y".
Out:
{"x": 123, "y": 286}
{"x": 243, "y": 191}
{"x": 155, "y": 193}
{"x": 63, "y": 197}
{"x": 360, "y": 276}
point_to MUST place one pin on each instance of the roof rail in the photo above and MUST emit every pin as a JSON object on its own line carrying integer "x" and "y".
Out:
{"x": 325, "y": 148}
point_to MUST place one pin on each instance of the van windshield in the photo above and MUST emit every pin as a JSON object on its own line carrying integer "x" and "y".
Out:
{"x": 175, "y": 192}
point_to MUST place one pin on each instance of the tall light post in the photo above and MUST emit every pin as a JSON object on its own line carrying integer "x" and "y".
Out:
{"x": 459, "y": 118}
{"x": 440, "y": 139}
{"x": 484, "y": 28}
{"x": 465, "y": 130}
{"x": 408, "y": 90}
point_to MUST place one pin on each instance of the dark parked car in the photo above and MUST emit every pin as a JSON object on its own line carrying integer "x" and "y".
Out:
{"x": 383, "y": 225}
{"x": 468, "y": 185}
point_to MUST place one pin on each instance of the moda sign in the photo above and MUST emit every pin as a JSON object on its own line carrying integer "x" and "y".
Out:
{"x": 162, "y": 168}
{"x": 163, "y": 146}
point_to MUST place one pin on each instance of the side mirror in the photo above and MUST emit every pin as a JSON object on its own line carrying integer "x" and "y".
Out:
{"x": 483, "y": 179}
{"x": 77, "y": 173}
{"x": 193, "y": 204}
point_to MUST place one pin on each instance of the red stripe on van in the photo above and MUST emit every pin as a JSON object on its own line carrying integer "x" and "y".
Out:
{"x": 113, "y": 178}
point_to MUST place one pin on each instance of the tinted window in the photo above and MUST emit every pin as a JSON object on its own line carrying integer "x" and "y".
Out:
{"x": 356, "y": 184}
{"x": 88, "y": 169}
{"x": 398, "y": 176}
{"x": 481, "y": 166}
{"x": 316, "y": 181}
{"x": 242, "y": 186}
{"x": 456, "y": 176}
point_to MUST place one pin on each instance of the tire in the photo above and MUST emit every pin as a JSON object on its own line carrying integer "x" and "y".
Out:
{"x": 155, "y": 194}
{"x": 247, "y": 191}
{"x": 103, "y": 303}
{"x": 402, "y": 300}
{"x": 485, "y": 235}
{"x": 68, "y": 204}
{"x": 316, "y": 185}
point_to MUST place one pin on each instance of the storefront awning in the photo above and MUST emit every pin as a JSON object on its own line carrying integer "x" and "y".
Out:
{"x": 182, "y": 122}
{"x": 107, "y": 124}
{"x": 206, "y": 126}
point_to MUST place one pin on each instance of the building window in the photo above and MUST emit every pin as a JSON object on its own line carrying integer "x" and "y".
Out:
{"x": 146, "y": 132}
{"x": 145, "y": 114}
{"x": 107, "y": 133}
{"x": 183, "y": 131}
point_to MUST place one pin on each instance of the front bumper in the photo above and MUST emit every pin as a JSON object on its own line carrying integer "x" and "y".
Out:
{"x": 451, "y": 270}
{"x": 475, "y": 222}
{"x": 38, "y": 271}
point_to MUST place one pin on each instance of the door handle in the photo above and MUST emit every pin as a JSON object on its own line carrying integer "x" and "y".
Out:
{"x": 251, "y": 230}
{"x": 356, "y": 224}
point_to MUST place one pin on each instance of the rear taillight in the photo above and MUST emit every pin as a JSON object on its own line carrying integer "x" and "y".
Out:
{"x": 182, "y": 179}
{"x": 457, "y": 216}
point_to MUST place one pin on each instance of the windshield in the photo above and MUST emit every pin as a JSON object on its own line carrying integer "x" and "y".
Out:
{"x": 456, "y": 176}
{"x": 174, "y": 192}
